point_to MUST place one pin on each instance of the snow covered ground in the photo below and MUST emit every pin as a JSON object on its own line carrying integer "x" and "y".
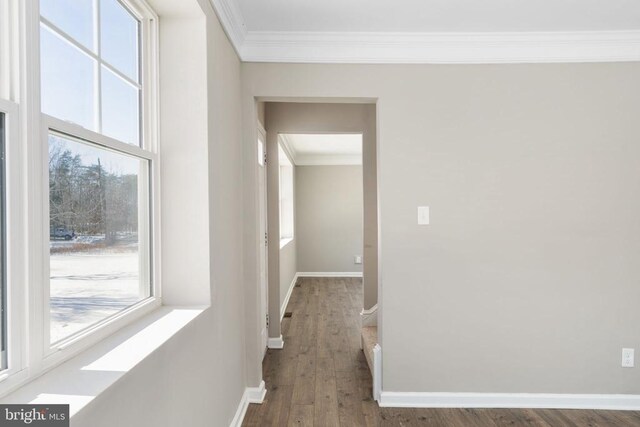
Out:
{"x": 88, "y": 286}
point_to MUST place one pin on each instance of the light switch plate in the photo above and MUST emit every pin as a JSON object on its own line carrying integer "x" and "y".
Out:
{"x": 423, "y": 215}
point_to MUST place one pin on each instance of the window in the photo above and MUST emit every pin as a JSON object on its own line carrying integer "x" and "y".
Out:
{"x": 98, "y": 262}
{"x": 99, "y": 163}
{"x": 79, "y": 177}
{"x": 286, "y": 197}
{"x": 90, "y": 62}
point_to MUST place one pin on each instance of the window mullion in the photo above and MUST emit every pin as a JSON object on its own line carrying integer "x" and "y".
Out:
{"x": 98, "y": 73}
{"x": 95, "y": 138}
{"x": 35, "y": 264}
{"x": 120, "y": 74}
{"x": 61, "y": 33}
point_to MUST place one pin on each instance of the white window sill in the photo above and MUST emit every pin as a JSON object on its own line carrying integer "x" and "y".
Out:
{"x": 107, "y": 361}
{"x": 285, "y": 242}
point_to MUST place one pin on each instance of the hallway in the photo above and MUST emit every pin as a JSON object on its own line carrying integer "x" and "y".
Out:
{"x": 321, "y": 377}
{"x": 321, "y": 374}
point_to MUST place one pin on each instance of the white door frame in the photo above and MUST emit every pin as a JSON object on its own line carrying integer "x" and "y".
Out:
{"x": 261, "y": 153}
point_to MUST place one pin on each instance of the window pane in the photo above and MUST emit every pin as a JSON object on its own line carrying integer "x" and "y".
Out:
{"x": 119, "y": 37}
{"x": 3, "y": 258}
{"x": 120, "y": 109}
{"x": 98, "y": 261}
{"x": 67, "y": 81}
{"x": 74, "y": 17}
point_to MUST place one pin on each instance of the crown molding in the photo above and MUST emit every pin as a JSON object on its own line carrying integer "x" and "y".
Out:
{"x": 424, "y": 48}
{"x": 230, "y": 17}
{"x": 287, "y": 146}
{"x": 329, "y": 160}
{"x": 301, "y": 159}
{"x": 441, "y": 48}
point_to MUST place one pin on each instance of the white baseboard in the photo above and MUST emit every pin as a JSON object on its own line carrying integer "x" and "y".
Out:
{"x": 250, "y": 395}
{"x": 369, "y": 317}
{"x": 283, "y": 308}
{"x": 331, "y": 274}
{"x": 510, "y": 400}
{"x": 276, "y": 343}
{"x": 377, "y": 372}
{"x": 256, "y": 394}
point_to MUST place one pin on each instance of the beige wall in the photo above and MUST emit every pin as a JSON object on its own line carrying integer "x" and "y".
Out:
{"x": 527, "y": 278}
{"x": 260, "y": 111}
{"x": 329, "y": 218}
{"x": 198, "y": 377}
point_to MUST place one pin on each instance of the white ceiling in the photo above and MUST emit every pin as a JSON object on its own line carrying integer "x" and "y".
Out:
{"x": 440, "y": 15}
{"x": 324, "y": 149}
{"x": 432, "y": 31}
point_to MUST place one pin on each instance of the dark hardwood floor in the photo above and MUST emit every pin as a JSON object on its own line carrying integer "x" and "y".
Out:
{"x": 321, "y": 377}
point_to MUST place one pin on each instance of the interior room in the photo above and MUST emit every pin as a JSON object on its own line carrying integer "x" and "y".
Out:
{"x": 244, "y": 213}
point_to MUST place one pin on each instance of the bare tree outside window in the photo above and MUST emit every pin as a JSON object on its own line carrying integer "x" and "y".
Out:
{"x": 94, "y": 234}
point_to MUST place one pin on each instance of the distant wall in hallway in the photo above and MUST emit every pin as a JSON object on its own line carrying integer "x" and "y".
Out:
{"x": 329, "y": 218}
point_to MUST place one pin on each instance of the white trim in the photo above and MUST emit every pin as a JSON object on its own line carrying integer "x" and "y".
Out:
{"x": 510, "y": 400}
{"x": 250, "y": 395}
{"x": 377, "y": 372}
{"x": 238, "y": 418}
{"x": 287, "y": 146}
{"x": 256, "y": 394}
{"x": 330, "y": 274}
{"x": 230, "y": 17}
{"x": 262, "y": 242}
{"x": 14, "y": 245}
{"x": 276, "y": 343}
{"x": 369, "y": 317}
{"x": 283, "y": 307}
{"x": 424, "y": 47}
{"x": 329, "y": 160}
{"x": 285, "y": 241}
{"x": 441, "y": 48}
{"x": 370, "y": 311}
{"x": 300, "y": 159}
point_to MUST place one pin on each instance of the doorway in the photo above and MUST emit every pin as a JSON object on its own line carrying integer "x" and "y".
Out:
{"x": 330, "y": 237}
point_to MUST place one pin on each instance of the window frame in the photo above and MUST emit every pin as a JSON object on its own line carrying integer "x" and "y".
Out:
{"x": 30, "y": 354}
{"x": 111, "y": 323}
{"x": 15, "y": 227}
{"x": 53, "y": 353}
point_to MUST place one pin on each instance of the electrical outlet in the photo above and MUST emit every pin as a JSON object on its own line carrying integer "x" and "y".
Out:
{"x": 627, "y": 357}
{"x": 357, "y": 259}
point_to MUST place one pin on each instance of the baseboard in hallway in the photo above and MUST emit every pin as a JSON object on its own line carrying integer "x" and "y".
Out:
{"x": 330, "y": 274}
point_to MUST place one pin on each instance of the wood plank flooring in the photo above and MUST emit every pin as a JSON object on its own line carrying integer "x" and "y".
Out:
{"x": 321, "y": 377}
